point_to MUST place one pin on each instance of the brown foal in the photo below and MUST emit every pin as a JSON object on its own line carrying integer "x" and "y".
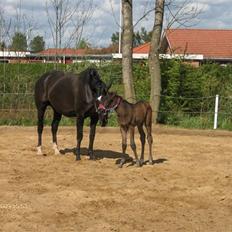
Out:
{"x": 129, "y": 116}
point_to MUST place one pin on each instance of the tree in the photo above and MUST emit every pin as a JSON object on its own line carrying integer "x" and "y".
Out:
{"x": 153, "y": 60}
{"x": 145, "y": 35}
{"x": 115, "y": 38}
{"x": 179, "y": 14}
{"x": 4, "y": 29}
{"x": 83, "y": 44}
{"x": 19, "y": 42}
{"x": 68, "y": 17}
{"x": 139, "y": 37}
{"x": 37, "y": 44}
{"x": 2, "y": 45}
{"x": 127, "y": 39}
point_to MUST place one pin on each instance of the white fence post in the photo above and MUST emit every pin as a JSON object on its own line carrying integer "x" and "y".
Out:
{"x": 216, "y": 112}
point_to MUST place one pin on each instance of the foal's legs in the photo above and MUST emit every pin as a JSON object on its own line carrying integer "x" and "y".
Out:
{"x": 40, "y": 114}
{"x": 124, "y": 144}
{"x": 150, "y": 141}
{"x": 133, "y": 146}
{"x": 79, "y": 127}
{"x": 142, "y": 139}
{"x": 93, "y": 123}
{"x": 55, "y": 124}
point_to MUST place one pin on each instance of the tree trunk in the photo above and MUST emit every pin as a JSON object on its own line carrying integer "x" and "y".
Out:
{"x": 153, "y": 60}
{"x": 127, "y": 39}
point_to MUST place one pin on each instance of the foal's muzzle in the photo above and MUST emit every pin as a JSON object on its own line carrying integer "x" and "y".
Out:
{"x": 103, "y": 117}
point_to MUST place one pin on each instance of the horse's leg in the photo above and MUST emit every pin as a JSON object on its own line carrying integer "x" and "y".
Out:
{"x": 40, "y": 114}
{"x": 93, "y": 123}
{"x": 133, "y": 146}
{"x": 150, "y": 141}
{"x": 79, "y": 126}
{"x": 55, "y": 124}
{"x": 124, "y": 144}
{"x": 142, "y": 139}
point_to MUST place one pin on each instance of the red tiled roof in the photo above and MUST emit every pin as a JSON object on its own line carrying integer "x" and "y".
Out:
{"x": 210, "y": 43}
{"x": 63, "y": 51}
{"x": 207, "y": 42}
{"x": 142, "y": 49}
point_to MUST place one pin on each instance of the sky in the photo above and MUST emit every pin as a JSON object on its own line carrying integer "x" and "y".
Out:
{"x": 105, "y": 19}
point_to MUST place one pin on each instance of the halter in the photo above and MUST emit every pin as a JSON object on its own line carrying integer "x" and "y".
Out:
{"x": 111, "y": 109}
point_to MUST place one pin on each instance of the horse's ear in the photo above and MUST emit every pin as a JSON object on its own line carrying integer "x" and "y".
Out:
{"x": 93, "y": 72}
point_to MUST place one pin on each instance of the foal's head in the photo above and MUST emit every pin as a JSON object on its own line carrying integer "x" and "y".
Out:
{"x": 107, "y": 104}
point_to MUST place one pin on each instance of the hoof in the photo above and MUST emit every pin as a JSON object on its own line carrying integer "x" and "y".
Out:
{"x": 55, "y": 148}
{"x": 120, "y": 165}
{"x": 151, "y": 162}
{"x": 123, "y": 161}
{"x": 57, "y": 152}
{"x": 142, "y": 162}
{"x": 92, "y": 157}
{"x": 39, "y": 151}
{"x": 78, "y": 158}
{"x": 138, "y": 164}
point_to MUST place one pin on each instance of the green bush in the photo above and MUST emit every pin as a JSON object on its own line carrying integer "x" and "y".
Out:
{"x": 187, "y": 97}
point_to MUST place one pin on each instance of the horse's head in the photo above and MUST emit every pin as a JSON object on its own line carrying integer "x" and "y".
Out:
{"x": 96, "y": 84}
{"x": 107, "y": 104}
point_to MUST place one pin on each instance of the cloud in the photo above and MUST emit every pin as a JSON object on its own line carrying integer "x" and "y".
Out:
{"x": 105, "y": 17}
{"x": 214, "y": 2}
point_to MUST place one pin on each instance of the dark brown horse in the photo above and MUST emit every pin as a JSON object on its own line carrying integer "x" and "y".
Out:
{"x": 70, "y": 95}
{"x": 129, "y": 116}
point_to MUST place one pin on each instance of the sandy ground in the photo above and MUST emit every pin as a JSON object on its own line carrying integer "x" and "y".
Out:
{"x": 189, "y": 188}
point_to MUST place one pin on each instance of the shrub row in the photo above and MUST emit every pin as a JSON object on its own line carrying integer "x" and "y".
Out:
{"x": 187, "y": 97}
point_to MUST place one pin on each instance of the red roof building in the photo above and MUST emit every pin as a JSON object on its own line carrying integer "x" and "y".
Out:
{"x": 142, "y": 49}
{"x": 70, "y": 55}
{"x": 215, "y": 45}
{"x": 63, "y": 51}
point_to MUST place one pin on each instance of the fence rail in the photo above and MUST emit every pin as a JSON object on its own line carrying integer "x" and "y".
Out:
{"x": 16, "y": 107}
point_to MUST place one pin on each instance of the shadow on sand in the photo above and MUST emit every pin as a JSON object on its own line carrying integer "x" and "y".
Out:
{"x": 101, "y": 154}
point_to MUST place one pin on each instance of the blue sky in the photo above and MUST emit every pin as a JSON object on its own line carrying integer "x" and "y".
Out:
{"x": 105, "y": 17}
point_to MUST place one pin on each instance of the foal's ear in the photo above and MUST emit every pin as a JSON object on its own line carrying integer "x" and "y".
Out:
{"x": 113, "y": 94}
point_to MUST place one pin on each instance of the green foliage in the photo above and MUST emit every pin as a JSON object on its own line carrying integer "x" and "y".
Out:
{"x": 141, "y": 81}
{"x": 37, "y": 44}
{"x": 187, "y": 97}
{"x": 115, "y": 38}
{"x": 139, "y": 37}
{"x": 19, "y": 42}
{"x": 2, "y": 45}
{"x": 83, "y": 44}
{"x": 188, "y": 94}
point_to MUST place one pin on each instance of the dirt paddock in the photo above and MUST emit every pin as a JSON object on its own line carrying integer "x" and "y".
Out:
{"x": 189, "y": 188}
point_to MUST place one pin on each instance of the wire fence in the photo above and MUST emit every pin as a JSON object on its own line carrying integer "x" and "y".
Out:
{"x": 19, "y": 108}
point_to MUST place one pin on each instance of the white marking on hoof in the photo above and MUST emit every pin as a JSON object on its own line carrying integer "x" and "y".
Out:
{"x": 39, "y": 151}
{"x": 99, "y": 98}
{"x": 55, "y": 148}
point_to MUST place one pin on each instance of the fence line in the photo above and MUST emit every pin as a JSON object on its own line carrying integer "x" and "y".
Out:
{"x": 161, "y": 95}
{"x": 23, "y": 102}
